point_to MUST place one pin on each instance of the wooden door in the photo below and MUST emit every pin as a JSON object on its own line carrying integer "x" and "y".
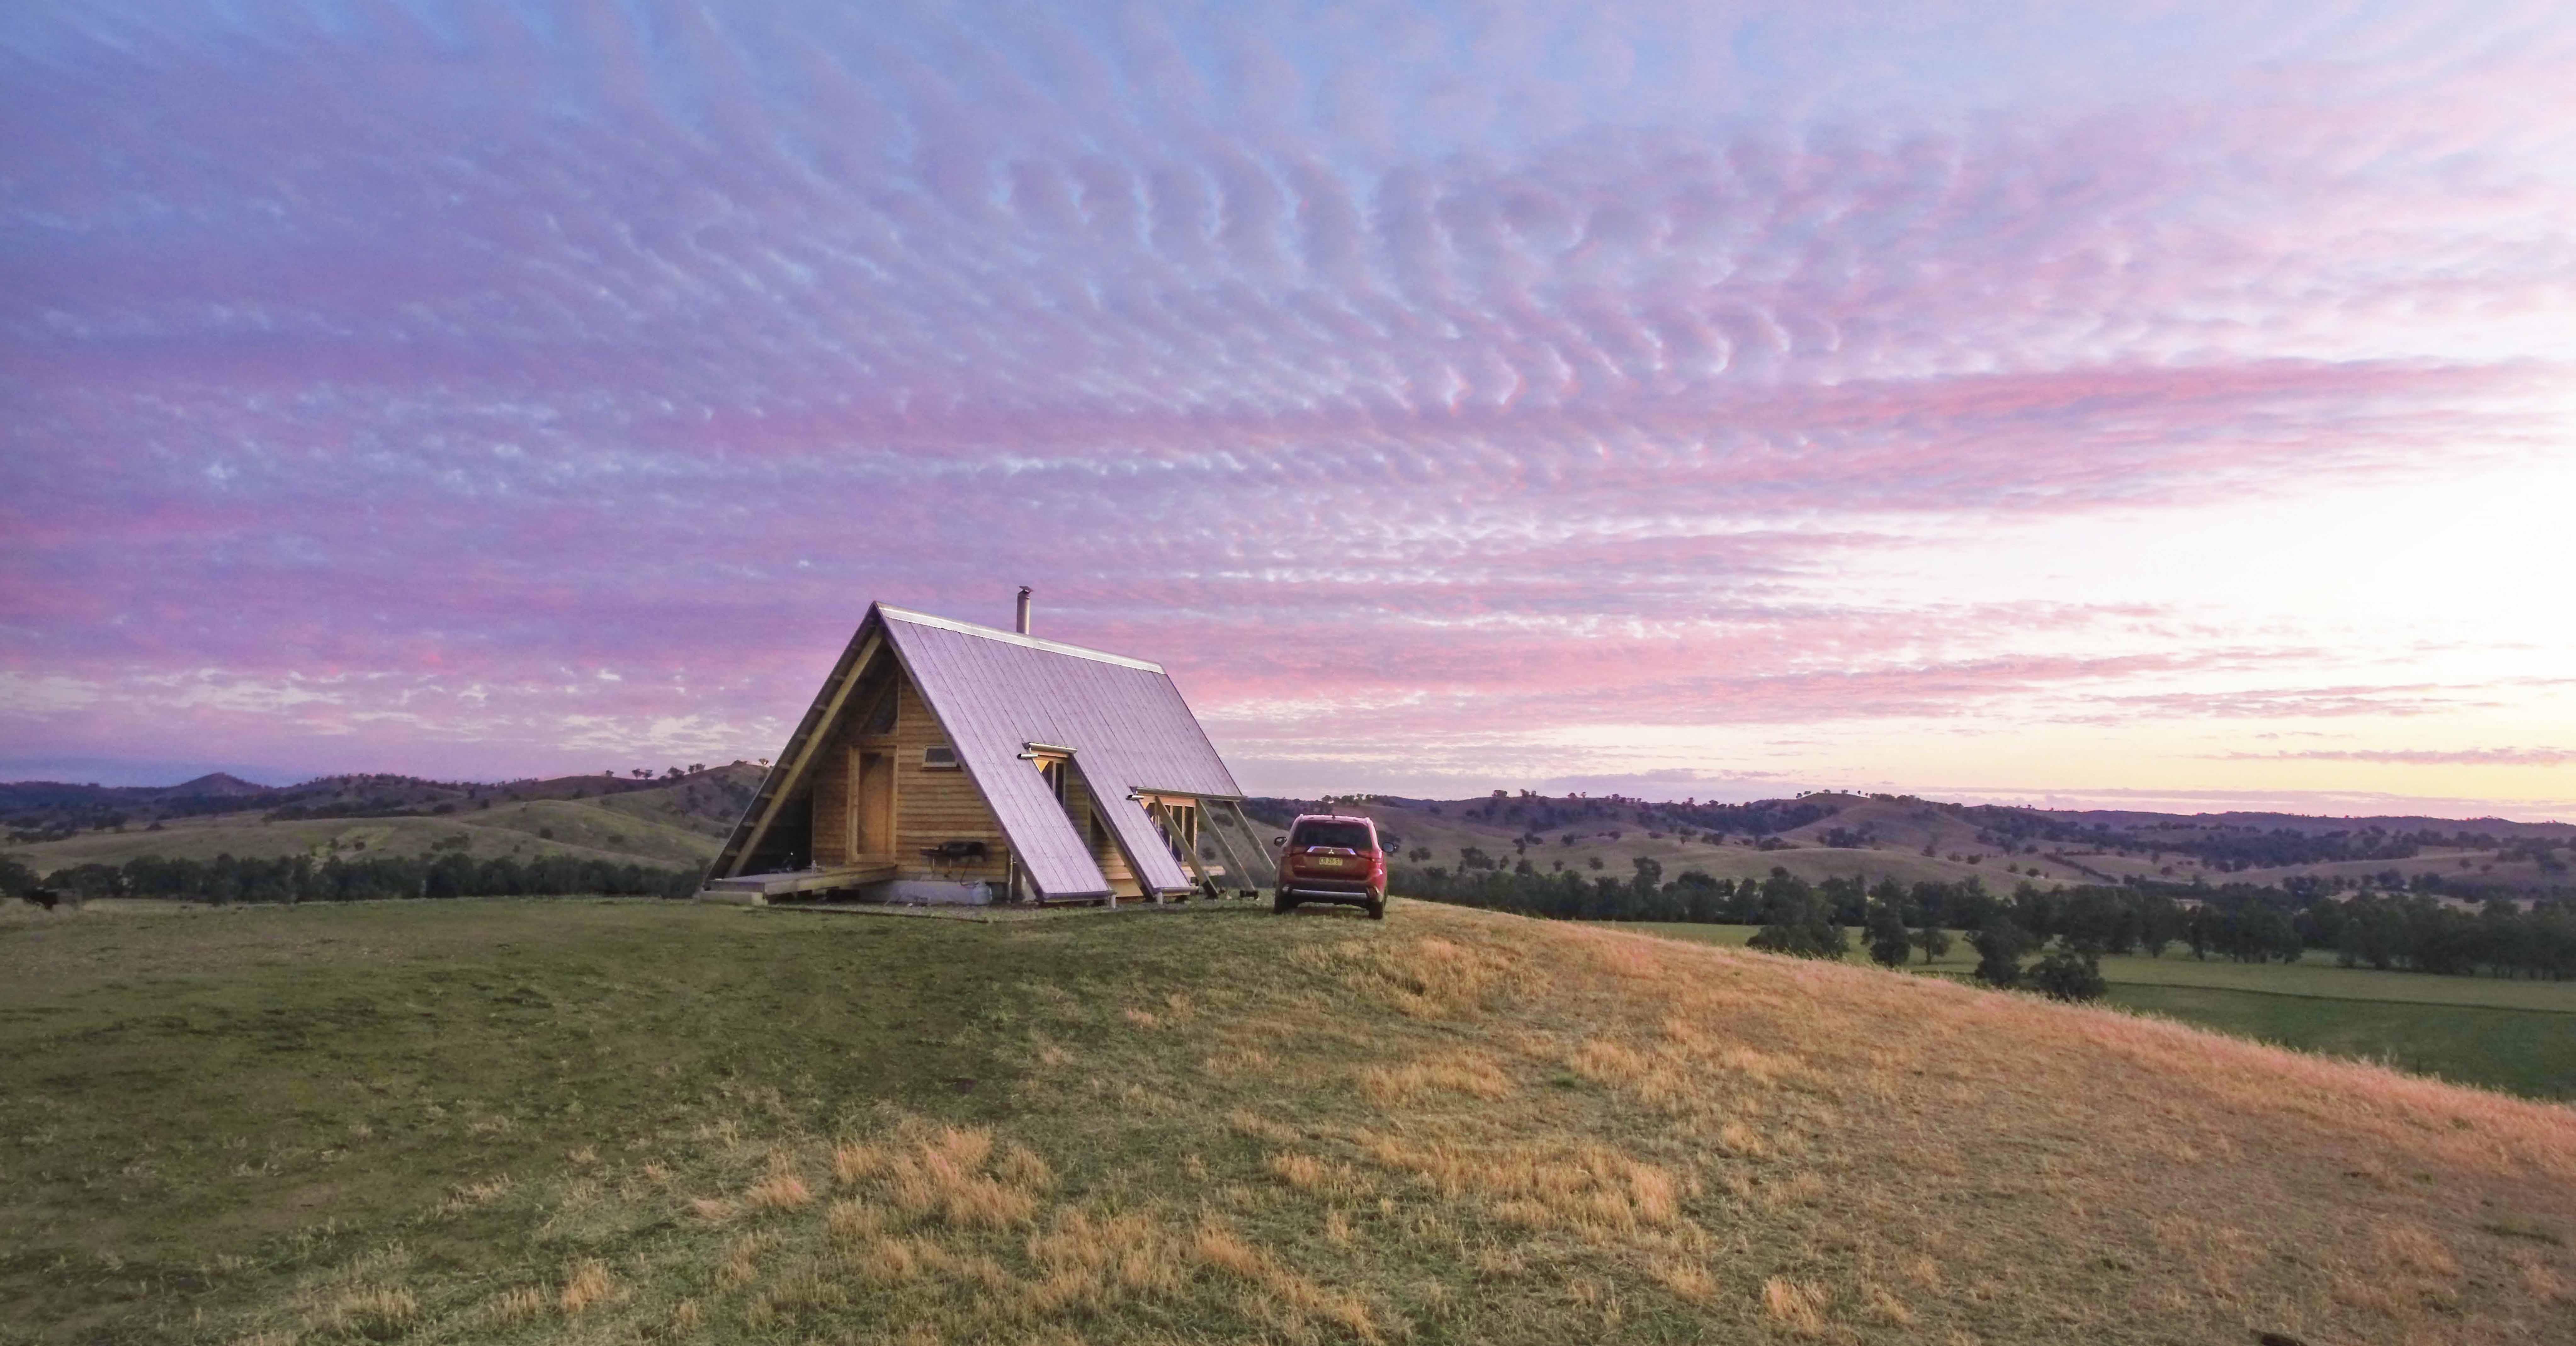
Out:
{"x": 873, "y": 832}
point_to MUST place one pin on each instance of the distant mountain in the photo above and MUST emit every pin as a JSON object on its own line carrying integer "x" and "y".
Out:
{"x": 216, "y": 785}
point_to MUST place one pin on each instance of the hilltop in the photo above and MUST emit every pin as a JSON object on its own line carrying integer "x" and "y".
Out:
{"x": 519, "y": 1121}
{"x": 1911, "y": 840}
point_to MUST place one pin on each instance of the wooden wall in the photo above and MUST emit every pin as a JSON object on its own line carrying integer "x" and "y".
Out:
{"x": 934, "y": 805}
{"x": 1095, "y": 834}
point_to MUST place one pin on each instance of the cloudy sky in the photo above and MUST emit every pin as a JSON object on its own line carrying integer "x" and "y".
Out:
{"x": 2165, "y": 403}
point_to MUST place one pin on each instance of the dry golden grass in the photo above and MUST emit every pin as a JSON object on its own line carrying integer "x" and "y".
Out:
{"x": 858, "y": 1161}
{"x": 1888, "y": 1308}
{"x": 1796, "y": 1305}
{"x": 374, "y": 1311}
{"x": 1472, "y": 1074}
{"x": 1459, "y": 1126}
{"x": 585, "y": 1286}
{"x": 942, "y": 1176}
{"x": 1023, "y": 1168}
{"x": 518, "y": 1304}
{"x": 1688, "y": 1280}
{"x": 779, "y": 1191}
{"x": 478, "y": 1194}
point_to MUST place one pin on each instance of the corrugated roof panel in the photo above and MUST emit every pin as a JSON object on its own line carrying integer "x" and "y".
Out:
{"x": 1055, "y": 856}
{"x": 1137, "y": 835}
{"x": 996, "y": 692}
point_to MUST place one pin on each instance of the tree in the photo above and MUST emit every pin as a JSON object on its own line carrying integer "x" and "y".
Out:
{"x": 2159, "y": 924}
{"x": 2000, "y": 946}
{"x": 1797, "y": 920}
{"x": 1703, "y": 899}
{"x": 2067, "y": 972}
{"x": 1650, "y": 877}
{"x": 1932, "y": 940}
{"x": 1888, "y": 942}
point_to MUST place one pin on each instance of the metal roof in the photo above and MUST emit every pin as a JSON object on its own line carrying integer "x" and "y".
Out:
{"x": 995, "y": 692}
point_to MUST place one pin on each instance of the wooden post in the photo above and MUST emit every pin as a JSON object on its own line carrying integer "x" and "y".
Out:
{"x": 1171, "y": 830}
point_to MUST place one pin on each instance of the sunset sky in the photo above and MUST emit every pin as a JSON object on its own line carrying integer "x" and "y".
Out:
{"x": 2163, "y": 405}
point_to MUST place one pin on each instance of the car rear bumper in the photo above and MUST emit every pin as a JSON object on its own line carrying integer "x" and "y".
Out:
{"x": 1327, "y": 888}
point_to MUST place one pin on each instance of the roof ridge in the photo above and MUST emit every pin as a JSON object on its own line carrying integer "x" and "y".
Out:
{"x": 893, "y": 613}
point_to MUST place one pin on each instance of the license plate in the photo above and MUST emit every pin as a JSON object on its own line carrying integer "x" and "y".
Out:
{"x": 1328, "y": 862}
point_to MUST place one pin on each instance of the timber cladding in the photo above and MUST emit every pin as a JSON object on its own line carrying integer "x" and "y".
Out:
{"x": 931, "y": 805}
{"x": 934, "y": 805}
{"x": 1104, "y": 847}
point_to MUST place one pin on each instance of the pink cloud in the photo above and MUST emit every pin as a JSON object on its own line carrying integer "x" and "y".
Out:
{"x": 2420, "y": 756}
{"x": 431, "y": 365}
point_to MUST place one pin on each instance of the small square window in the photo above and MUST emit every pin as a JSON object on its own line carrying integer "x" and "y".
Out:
{"x": 939, "y": 759}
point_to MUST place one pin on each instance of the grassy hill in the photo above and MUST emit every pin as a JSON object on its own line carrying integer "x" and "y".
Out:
{"x": 2515, "y": 1034}
{"x": 672, "y": 823}
{"x": 543, "y": 1121}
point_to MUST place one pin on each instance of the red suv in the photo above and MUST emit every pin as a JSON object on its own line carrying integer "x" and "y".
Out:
{"x": 1329, "y": 858}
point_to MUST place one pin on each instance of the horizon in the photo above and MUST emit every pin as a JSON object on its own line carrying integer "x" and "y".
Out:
{"x": 1969, "y": 799}
{"x": 1996, "y": 404}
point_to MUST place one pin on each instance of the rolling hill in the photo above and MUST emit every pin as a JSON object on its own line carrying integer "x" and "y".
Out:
{"x": 667, "y": 822}
{"x": 542, "y": 1121}
{"x": 1825, "y": 835}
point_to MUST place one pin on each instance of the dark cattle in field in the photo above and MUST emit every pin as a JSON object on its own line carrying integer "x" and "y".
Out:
{"x": 43, "y": 897}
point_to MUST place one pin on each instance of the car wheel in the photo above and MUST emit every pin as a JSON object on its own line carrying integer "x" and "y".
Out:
{"x": 1377, "y": 909}
{"x": 1282, "y": 903}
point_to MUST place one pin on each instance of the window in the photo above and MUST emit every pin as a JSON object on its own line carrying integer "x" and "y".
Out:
{"x": 1355, "y": 836}
{"x": 939, "y": 758}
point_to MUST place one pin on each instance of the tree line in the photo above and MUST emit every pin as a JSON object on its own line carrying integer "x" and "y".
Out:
{"x": 227, "y": 879}
{"x": 2242, "y": 923}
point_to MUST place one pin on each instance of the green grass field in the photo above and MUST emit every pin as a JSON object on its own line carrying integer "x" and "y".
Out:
{"x": 2488, "y": 1031}
{"x": 203, "y": 1100}
{"x": 568, "y": 1120}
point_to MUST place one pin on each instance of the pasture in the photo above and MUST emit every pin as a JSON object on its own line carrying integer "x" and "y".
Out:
{"x": 558, "y": 1120}
{"x": 2487, "y": 1031}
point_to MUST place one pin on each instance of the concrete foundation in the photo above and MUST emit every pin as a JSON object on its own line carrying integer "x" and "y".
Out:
{"x": 929, "y": 893}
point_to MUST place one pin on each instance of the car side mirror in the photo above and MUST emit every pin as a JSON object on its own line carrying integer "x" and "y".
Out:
{"x": 1279, "y": 841}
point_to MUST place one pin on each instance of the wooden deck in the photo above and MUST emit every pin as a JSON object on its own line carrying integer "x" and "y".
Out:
{"x": 758, "y": 889}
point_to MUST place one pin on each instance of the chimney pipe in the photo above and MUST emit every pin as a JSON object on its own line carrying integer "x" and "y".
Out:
{"x": 1024, "y": 610}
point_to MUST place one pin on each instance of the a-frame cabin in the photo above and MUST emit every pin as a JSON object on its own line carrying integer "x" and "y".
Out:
{"x": 947, "y": 762}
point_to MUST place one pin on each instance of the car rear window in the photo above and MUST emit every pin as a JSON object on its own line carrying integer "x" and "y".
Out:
{"x": 1350, "y": 836}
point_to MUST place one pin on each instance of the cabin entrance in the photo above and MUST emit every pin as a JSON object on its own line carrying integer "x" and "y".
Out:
{"x": 872, "y": 804}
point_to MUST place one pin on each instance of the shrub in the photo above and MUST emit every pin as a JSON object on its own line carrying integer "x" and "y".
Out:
{"x": 2067, "y": 973}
